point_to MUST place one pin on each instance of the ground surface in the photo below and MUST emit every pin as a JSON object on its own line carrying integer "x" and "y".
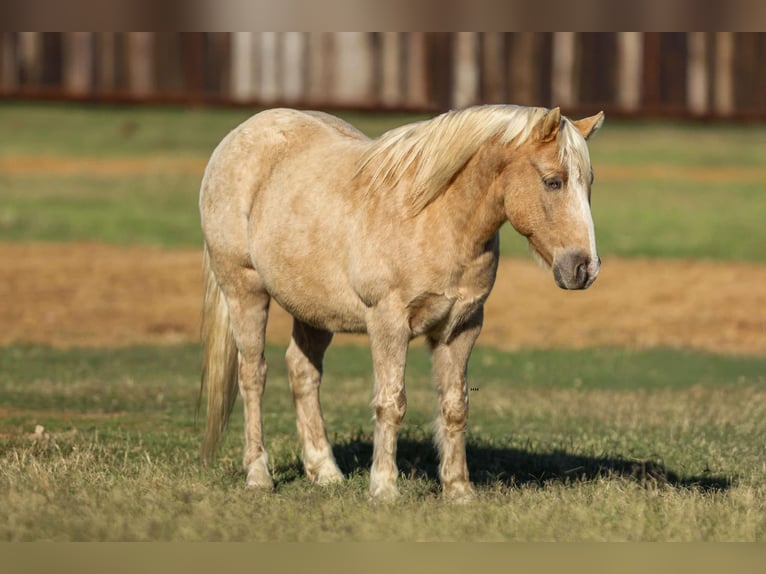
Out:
{"x": 70, "y": 294}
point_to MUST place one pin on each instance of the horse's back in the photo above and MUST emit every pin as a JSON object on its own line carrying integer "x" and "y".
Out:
{"x": 272, "y": 146}
{"x": 280, "y": 128}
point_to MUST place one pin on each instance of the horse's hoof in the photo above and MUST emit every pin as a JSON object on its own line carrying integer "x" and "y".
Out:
{"x": 261, "y": 486}
{"x": 384, "y": 493}
{"x": 327, "y": 473}
{"x": 459, "y": 494}
{"x": 258, "y": 478}
{"x": 327, "y": 478}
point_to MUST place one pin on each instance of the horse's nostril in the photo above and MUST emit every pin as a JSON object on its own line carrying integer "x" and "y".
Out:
{"x": 581, "y": 273}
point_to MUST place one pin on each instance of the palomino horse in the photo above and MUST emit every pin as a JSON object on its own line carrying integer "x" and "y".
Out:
{"x": 396, "y": 237}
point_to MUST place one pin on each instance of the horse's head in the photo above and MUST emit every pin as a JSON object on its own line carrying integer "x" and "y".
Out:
{"x": 547, "y": 197}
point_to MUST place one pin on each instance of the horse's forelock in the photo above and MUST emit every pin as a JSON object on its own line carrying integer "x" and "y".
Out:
{"x": 573, "y": 151}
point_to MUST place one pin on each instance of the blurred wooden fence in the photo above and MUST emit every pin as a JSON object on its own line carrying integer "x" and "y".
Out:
{"x": 720, "y": 74}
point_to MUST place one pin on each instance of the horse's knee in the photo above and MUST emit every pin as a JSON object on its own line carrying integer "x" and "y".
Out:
{"x": 454, "y": 415}
{"x": 391, "y": 410}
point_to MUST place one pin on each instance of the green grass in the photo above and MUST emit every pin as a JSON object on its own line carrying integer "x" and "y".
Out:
{"x": 639, "y": 142}
{"x": 636, "y": 217}
{"x": 103, "y": 130}
{"x": 716, "y": 221}
{"x": 601, "y": 444}
{"x": 151, "y": 209}
{"x": 136, "y": 131}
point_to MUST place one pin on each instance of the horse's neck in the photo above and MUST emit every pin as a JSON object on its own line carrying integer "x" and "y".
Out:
{"x": 472, "y": 206}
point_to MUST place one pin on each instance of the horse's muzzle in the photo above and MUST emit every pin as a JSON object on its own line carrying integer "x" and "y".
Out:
{"x": 575, "y": 270}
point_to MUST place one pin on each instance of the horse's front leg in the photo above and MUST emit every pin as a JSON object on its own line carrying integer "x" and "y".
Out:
{"x": 450, "y": 364}
{"x": 389, "y": 342}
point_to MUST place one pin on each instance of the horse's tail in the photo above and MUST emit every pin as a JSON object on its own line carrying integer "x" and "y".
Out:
{"x": 219, "y": 367}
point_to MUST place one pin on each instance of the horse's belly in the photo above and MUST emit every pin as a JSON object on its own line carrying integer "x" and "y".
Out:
{"x": 330, "y": 314}
{"x": 316, "y": 294}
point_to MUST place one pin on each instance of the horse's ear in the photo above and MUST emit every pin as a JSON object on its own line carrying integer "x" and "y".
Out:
{"x": 589, "y": 126}
{"x": 550, "y": 125}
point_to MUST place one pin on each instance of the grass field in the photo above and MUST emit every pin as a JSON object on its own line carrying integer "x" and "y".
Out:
{"x": 593, "y": 444}
{"x": 563, "y": 445}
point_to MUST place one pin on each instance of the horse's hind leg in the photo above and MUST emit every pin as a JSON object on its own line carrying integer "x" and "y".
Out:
{"x": 248, "y": 311}
{"x": 304, "y": 366}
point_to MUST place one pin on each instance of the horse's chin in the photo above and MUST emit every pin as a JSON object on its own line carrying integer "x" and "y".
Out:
{"x": 539, "y": 259}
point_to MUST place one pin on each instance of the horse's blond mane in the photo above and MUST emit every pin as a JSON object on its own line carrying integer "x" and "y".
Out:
{"x": 437, "y": 149}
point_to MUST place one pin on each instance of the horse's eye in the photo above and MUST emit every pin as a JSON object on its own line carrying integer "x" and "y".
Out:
{"x": 553, "y": 183}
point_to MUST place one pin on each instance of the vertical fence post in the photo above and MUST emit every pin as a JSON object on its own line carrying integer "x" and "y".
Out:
{"x": 319, "y": 73}
{"x": 724, "y": 78}
{"x": 140, "y": 63}
{"x": 106, "y": 79}
{"x": 193, "y": 62}
{"x": 294, "y": 66}
{"x": 696, "y": 73}
{"x": 391, "y": 88}
{"x": 465, "y": 89}
{"x": 30, "y": 57}
{"x": 523, "y": 68}
{"x": 417, "y": 70}
{"x": 78, "y": 62}
{"x": 493, "y": 57}
{"x": 629, "y": 64}
{"x": 354, "y": 65}
{"x": 651, "y": 73}
{"x": 9, "y": 72}
{"x": 563, "y": 88}
{"x": 242, "y": 66}
{"x": 269, "y": 84}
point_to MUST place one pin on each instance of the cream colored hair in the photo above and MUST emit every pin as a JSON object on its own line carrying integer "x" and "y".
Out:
{"x": 437, "y": 149}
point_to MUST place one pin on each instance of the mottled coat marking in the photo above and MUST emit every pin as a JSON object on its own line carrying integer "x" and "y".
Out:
{"x": 396, "y": 237}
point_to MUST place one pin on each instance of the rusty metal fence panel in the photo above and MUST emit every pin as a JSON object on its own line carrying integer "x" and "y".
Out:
{"x": 701, "y": 74}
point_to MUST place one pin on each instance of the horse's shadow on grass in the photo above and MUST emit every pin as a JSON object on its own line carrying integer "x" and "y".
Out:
{"x": 513, "y": 467}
